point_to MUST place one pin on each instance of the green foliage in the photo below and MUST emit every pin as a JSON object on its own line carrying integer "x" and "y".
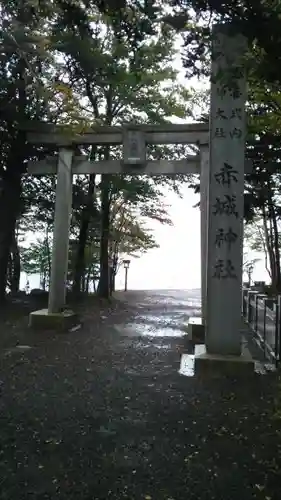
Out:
{"x": 194, "y": 19}
{"x": 80, "y": 64}
{"x": 129, "y": 234}
{"x": 36, "y": 259}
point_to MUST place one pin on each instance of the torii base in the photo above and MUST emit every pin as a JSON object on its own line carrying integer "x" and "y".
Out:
{"x": 217, "y": 365}
{"x": 60, "y": 322}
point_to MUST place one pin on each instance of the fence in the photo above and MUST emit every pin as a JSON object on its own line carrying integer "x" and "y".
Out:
{"x": 263, "y": 315}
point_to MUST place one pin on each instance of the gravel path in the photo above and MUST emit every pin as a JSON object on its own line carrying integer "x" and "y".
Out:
{"x": 101, "y": 413}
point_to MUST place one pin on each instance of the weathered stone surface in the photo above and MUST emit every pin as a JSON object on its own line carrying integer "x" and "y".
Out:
{"x": 63, "y": 207}
{"x": 43, "y": 320}
{"x": 196, "y": 331}
{"x": 216, "y": 364}
{"x": 204, "y": 192}
{"x": 226, "y": 194}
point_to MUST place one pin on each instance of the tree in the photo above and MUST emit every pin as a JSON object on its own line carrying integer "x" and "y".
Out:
{"x": 27, "y": 92}
{"x": 86, "y": 213}
{"x": 24, "y": 73}
{"x": 36, "y": 259}
{"x": 262, "y": 186}
{"x": 194, "y": 20}
{"x": 248, "y": 267}
{"x": 119, "y": 82}
{"x": 129, "y": 235}
{"x": 114, "y": 69}
{"x": 259, "y": 237}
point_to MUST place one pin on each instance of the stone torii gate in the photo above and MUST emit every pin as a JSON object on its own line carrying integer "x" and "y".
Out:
{"x": 220, "y": 164}
{"x": 133, "y": 162}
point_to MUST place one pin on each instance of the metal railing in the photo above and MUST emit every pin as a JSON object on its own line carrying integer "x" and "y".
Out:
{"x": 263, "y": 315}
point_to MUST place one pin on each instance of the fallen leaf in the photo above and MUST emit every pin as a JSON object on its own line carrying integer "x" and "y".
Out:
{"x": 259, "y": 487}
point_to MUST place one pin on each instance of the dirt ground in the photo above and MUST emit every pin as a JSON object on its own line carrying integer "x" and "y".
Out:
{"x": 99, "y": 413}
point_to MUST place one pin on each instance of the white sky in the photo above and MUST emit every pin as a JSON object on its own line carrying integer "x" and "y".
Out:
{"x": 176, "y": 264}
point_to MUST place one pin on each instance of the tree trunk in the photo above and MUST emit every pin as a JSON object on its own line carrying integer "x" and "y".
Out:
{"x": 83, "y": 282}
{"x": 88, "y": 279}
{"x": 10, "y": 183}
{"x": 114, "y": 271}
{"x": 44, "y": 277}
{"x": 264, "y": 247}
{"x": 275, "y": 245}
{"x": 47, "y": 273}
{"x": 269, "y": 248}
{"x": 271, "y": 242}
{"x": 113, "y": 281}
{"x": 10, "y": 190}
{"x": 16, "y": 267}
{"x": 86, "y": 215}
{"x": 104, "y": 281}
{"x": 104, "y": 285}
{"x": 9, "y": 273}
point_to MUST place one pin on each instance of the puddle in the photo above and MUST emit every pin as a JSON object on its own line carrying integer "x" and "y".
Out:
{"x": 146, "y": 330}
{"x": 172, "y": 298}
{"x": 153, "y": 331}
{"x": 166, "y": 320}
{"x": 162, "y": 314}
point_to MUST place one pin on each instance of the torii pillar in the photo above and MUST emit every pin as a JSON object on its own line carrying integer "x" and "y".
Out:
{"x": 204, "y": 185}
{"x": 56, "y": 316}
{"x": 63, "y": 208}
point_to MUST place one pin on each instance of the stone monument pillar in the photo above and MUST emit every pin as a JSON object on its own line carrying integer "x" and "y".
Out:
{"x": 226, "y": 187}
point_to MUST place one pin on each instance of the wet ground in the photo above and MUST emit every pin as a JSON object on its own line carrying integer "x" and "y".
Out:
{"x": 103, "y": 412}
